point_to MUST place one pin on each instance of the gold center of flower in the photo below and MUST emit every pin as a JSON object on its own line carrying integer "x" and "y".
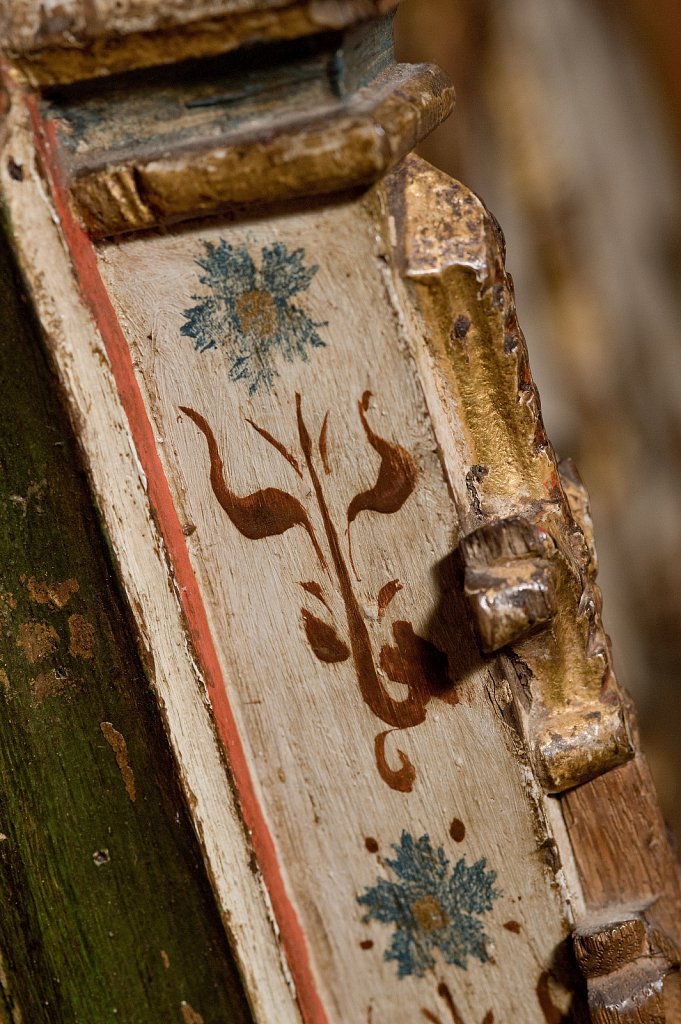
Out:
{"x": 257, "y": 313}
{"x": 429, "y": 914}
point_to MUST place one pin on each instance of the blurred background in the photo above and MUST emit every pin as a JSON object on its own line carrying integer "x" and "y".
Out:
{"x": 568, "y": 124}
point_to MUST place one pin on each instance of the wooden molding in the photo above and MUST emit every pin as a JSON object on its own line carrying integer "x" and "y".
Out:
{"x": 296, "y": 138}
{"x": 528, "y": 553}
{"x": 398, "y": 784}
{"x": 77, "y": 40}
{"x": 625, "y": 961}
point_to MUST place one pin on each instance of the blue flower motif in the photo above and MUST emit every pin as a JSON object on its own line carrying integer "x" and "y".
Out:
{"x": 249, "y": 311}
{"x": 431, "y": 907}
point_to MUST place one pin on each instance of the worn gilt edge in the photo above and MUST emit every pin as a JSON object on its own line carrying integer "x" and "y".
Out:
{"x": 625, "y": 960}
{"x": 78, "y": 350}
{"x": 528, "y": 551}
{"x": 335, "y": 150}
{"x": 126, "y": 42}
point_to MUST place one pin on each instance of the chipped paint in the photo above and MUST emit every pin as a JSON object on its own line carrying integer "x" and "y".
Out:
{"x": 34, "y": 493}
{"x": 5, "y": 683}
{"x": 81, "y": 636}
{"x": 189, "y": 1014}
{"x": 116, "y": 741}
{"x": 48, "y": 684}
{"x": 8, "y": 603}
{"x": 37, "y": 640}
{"x": 57, "y": 595}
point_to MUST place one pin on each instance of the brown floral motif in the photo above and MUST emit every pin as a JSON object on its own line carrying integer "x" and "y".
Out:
{"x": 413, "y": 662}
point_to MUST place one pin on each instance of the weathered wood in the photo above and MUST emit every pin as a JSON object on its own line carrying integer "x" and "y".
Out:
{"x": 106, "y": 912}
{"x": 618, "y": 835}
{"x": 354, "y": 660}
{"x": 391, "y": 674}
{"x": 143, "y": 151}
{"x": 603, "y": 949}
{"x": 59, "y": 43}
{"x": 309, "y": 410}
{"x": 510, "y": 580}
{"x": 141, "y": 559}
{"x": 625, "y": 961}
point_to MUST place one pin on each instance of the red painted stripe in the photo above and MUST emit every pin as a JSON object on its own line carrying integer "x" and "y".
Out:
{"x": 95, "y": 297}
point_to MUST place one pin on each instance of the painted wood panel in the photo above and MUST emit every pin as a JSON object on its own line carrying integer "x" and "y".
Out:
{"x": 280, "y": 384}
{"x": 287, "y": 442}
{"x": 106, "y": 912}
{"x": 63, "y": 294}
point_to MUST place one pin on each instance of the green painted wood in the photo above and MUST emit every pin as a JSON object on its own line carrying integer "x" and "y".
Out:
{"x": 106, "y": 914}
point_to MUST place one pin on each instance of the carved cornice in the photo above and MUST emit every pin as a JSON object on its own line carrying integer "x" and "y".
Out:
{"x": 279, "y": 122}
{"x": 77, "y": 40}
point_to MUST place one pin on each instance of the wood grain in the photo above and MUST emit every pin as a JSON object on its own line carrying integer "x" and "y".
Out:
{"x": 387, "y": 487}
{"x": 621, "y": 847}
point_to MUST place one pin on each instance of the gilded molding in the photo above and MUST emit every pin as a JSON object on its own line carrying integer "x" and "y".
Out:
{"x": 528, "y": 552}
{"x": 350, "y": 142}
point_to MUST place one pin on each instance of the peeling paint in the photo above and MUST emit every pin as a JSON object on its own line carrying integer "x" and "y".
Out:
{"x": 82, "y": 637}
{"x": 34, "y": 491}
{"x": 57, "y": 595}
{"x": 116, "y": 741}
{"x": 37, "y": 640}
{"x": 189, "y": 1015}
{"x": 17, "y": 1016}
{"x": 48, "y": 684}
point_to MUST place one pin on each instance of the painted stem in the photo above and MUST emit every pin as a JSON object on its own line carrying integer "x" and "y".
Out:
{"x": 265, "y": 513}
{"x": 398, "y": 714}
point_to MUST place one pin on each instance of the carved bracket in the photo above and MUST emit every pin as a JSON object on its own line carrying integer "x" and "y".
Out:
{"x": 528, "y": 553}
{"x": 519, "y": 584}
{"x": 511, "y": 580}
